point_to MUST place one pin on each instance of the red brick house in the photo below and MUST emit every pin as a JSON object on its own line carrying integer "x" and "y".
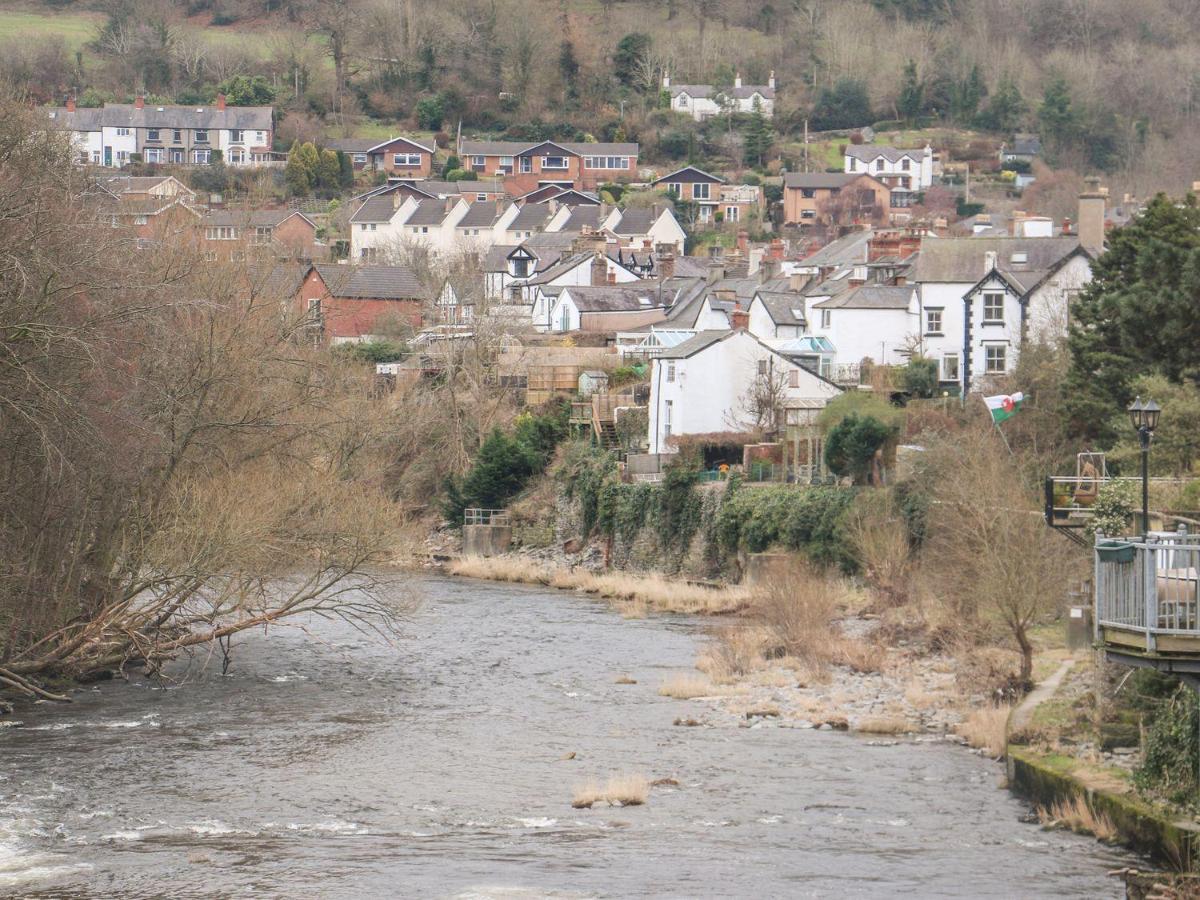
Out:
{"x": 283, "y": 233}
{"x": 354, "y": 303}
{"x": 150, "y": 219}
{"x": 527, "y": 167}
{"x": 398, "y": 155}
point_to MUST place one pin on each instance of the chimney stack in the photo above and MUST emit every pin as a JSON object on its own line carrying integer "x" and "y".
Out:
{"x": 221, "y": 102}
{"x": 989, "y": 261}
{"x": 140, "y": 101}
{"x": 599, "y": 269}
{"x": 737, "y": 80}
{"x": 612, "y": 278}
{"x": 666, "y": 79}
{"x": 70, "y": 103}
{"x": 1091, "y": 216}
{"x": 743, "y": 241}
{"x": 771, "y": 80}
{"x": 739, "y": 319}
{"x": 666, "y": 261}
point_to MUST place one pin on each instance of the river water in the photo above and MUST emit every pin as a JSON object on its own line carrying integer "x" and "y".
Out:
{"x": 329, "y": 764}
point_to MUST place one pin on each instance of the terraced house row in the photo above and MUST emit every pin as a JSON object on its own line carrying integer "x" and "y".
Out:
{"x": 183, "y": 135}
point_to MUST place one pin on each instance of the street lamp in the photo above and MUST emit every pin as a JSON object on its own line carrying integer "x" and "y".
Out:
{"x": 1144, "y": 418}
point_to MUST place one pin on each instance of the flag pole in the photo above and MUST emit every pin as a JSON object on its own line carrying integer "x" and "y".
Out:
{"x": 1000, "y": 432}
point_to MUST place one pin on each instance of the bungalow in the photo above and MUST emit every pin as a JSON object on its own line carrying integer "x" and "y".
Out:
{"x": 356, "y": 303}
{"x": 707, "y": 384}
{"x": 396, "y": 155}
{"x": 608, "y": 308}
{"x": 836, "y": 199}
{"x": 526, "y": 167}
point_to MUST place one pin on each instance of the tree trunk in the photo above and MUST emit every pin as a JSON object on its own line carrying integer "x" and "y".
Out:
{"x": 1026, "y": 655}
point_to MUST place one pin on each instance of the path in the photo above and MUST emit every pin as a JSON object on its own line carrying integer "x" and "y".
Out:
{"x": 1022, "y": 715}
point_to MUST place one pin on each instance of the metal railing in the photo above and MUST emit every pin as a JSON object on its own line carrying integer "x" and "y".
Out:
{"x": 1150, "y": 586}
{"x": 1069, "y": 498}
{"x": 474, "y": 515}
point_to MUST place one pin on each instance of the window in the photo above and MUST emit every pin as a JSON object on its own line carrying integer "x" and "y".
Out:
{"x": 808, "y": 193}
{"x": 237, "y": 156}
{"x": 506, "y": 165}
{"x": 140, "y": 220}
{"x": 122, "y": 132}
{"x": 210, "y": 255}
{"x": 993, "y": 308}
{"x": 374, "y": 226}
{"x": 154, "y": 154}
{"x": 478, "y": 163}
{"x": 879, "y": 165}
{"x": 808, "y": 213}
{"x": 176, "y": 156}
{"x": 201, "y": 157}
{"x": 671, "y": 371}
{"x": 152, "y": 134}
{"x": 794, "y": 378}
{"x": 238, "y": 255}
{"x": 554, "y": 162}
{"x": 732, "y": 213}
{"x": 122, "y": 157}
{"x": 1020, "y": 256}
{"x": 368, "y": 254}
{"x": 700, "y": 191}
{"x": 96, "y": 157}
{"x": 235, "y": 135}
{"x": 362, "y": 227}
{"x": 762, "y": 367}
{"x": 995, "y": 356}
{"x": 526, "y": 164}
{"x": 221, "y": 233}
{"x": 933, "y": 321}
{"x": 675, "y": 188}
{"x": 406, "y": 160}
{"x": 853, "y": 163}
{"x": 904, "y": 164}
{"x": 201, "y": 135}
{"x": 606, "y": 162}
{"x": 259, "y": 136}
{"x": 360, "y": 159}
{"x": 950, "y": 367}
{"x": 176, "y": 136}
{"x": 481, "y": 197}
{"x": 668, "y": 415}
{"x": 314, "y": 308}
{"x": 262, "y": 234}
{"x": 826, "y": 316}
{"x": 706, "y": 213}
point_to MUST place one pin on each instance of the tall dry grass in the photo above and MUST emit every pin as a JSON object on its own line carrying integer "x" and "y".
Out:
{"x": 797, "y": 612}
{"x": 628, "y": 789}
{"x": 985, "y": 729}
{"x": 634, "y": 595}
{"x": 1078, "y": 815}
{"x": 688, "y": 687}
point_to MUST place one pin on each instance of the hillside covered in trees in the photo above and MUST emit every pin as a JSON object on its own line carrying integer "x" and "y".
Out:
{"x": 1109, "y": 84}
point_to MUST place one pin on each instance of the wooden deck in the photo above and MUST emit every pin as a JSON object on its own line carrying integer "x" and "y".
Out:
{"x": 1147, "y": 601}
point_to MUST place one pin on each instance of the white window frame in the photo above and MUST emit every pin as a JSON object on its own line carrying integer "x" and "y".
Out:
{"x": 826, "y": 317}
{"x": 141, "y": 220}
{"x": 236, "y": 135}
{"x": 176, "y": 135}
{"x": 406, "y": 160}
{"x": 122, "y": 132}
{"x": 989, "y": 363}
{"x": 221, "y": 233}
{"x": 991, "y": 299}
{"x": 670, "y": 371}
{"x": 950, "y": 368}
{"x": 201, "y": 136}
{"x": 525, "y": 165}
{"x": 934, "y": 321}
{"x": 202, "y": 157}
{"x": 733, "y": 213}
{"x": 548, "y": 166}
{"x": 701, "y": 190}
{"x": 154, "y": 154}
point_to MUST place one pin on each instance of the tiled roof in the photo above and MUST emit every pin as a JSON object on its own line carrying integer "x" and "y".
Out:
{"x": 636, "y": 221}
{"x": 250, "y": 217}
{"x": 127, "y": 115}
{"x": 428, "y": 212}
{"x": 692, "y": 90}
{"x": 964, "y": 259}
{"x": 630, "y": 297}
{"x": 846, "y": 250}
{"x": 372, "y": 282}
{"x": 139, "y": 184}
{"x": 690, "y": 174}
{"x": 891, "y": 154}
{"x": 531, "y": 217}
{"x": 871, "y": 296}
{"x": 351, "y": 145}
{"x": 784, "y": 307}
{"x": 375, "y": 209}
{"x": 483, "y": 213}
{"x": 496, "y": 259}
{"x": 582, "y": 216}
{"x": 516, "y": 148}
{"x": 827, "y": 180}
{"x": 702, "y": 340}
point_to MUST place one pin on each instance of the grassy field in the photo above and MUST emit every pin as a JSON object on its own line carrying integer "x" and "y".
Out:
{"x": 76, "y": 28}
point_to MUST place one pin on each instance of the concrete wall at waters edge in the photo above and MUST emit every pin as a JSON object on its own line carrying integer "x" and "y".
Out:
{"x": 486, "y": 540}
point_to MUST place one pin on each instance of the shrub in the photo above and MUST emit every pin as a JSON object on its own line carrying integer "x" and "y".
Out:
{"x": 373, "y": 351}
{"x": 920, "y": 377}
{"x": 852, "y": 445}
{"x": 808, "y": 519}
{"x": 797, "y": 611}
{"x": 1172, "y": 752}
{"x": 1113, "y": 511}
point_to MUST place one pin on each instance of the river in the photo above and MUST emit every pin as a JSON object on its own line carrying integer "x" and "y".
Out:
{"x": 330, "y": 764}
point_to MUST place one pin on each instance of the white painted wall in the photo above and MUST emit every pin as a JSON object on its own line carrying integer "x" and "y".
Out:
{"x": 920, "y": 168}
{"x": 763, "y": 326}
{"x": 1048, "y": 316}
{"x": 708, "y": 390}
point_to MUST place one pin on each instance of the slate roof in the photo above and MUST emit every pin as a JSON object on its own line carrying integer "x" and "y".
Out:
{"x": 127, "y": 115}
{"x": 746, "y": 91}
{"x": 252, "y": 217}
{"x": 375, "y": 209}
{"x": 846, "y": 250}
{"x": 692, "y": 90}
{"x": 871, "y": 296}
{"x": 819, "y": 180}
{"x": 869, "y": 152}
{"x": 496, "y": 258}
{"x": 962, "y": 260}
{"x": 701, "y": 340}
{"x": 428, "y": 212}
{"x": 351, "y": 145}
{"x": 372, "y": 282}
{"x": 618, "y": 297}
{"x": 531, "y": 217}
{"x": 784, "y": 307}
{"x": 140, "y": 184}
{"x": 678, "y": 174}
{"x": 636, "y": 221}
{"x": 485, "y": 186}
{"x": 483, "y": 213}
{"x": 582, "y": 216}
{"x": 516, "y": 148}
{"x": 690, "y": 267}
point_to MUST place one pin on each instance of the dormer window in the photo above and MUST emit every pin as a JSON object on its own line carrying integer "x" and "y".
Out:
{"x": 1020, "y": 256}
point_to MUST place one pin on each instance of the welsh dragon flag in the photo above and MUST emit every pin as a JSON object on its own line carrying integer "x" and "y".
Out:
{"x": 1004, "y": 406}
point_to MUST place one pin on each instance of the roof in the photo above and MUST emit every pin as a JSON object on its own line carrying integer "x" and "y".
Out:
{"x": 701, "y": 340}
{"x": 141, "y": 184}
{"x": 483, "y": 213}
{"x": 252, "y": 217}
{"x": 631, "y": 297}
{"x": 848, "y": 249}
{"x": 692, "y": 90}
{"x": 582, "y": 216}
{"x": 137, "y": 205}
{"x": 372, "y": 282}
{"x": 428, "y": 212}
{"x": 518, "y": 148}
{"x": 1025, "y": 145}
{"x": 891, "y": 154}
{"x": 480, "y": 186}
{"x": 784, "y": 307}
{"x": 351, "y": 145}
{"x": 819, "y": 180}
{"x": 691, "y": 266}
{"x": 636, "y": 220}
{"x": 871, "y": 296}
{"x": 746, "y": 91}
{"x": 127, "y": 115}
{"x": 531, "y": 217}
{"x": 375, "y": 209}
{"x": 963, "y": 260}
{"x": 679, "y": 175}
{"x": 496, "y": 258}
{"x": 809, "y": 343}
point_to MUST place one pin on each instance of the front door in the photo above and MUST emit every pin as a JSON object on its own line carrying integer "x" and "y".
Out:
{"x": 108, "y": 156}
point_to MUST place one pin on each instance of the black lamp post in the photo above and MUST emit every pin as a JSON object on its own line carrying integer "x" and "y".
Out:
{"x": 1144, "y": 417}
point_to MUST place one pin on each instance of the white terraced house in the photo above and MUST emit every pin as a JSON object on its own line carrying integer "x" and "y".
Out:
{"x": 900, "y": 170}
{"x": 180, "y": 135}
{"x": 703, "y": 101}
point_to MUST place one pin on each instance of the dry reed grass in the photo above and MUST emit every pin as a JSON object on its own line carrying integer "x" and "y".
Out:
{"x": 628, "y": 789}
{"x": 1077, "y": 815}
{"x": 688, "y": 687}
{"x": 885, "y": 725}
{"x": 635, "y": 595}
{"x": 985, "y": 729}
